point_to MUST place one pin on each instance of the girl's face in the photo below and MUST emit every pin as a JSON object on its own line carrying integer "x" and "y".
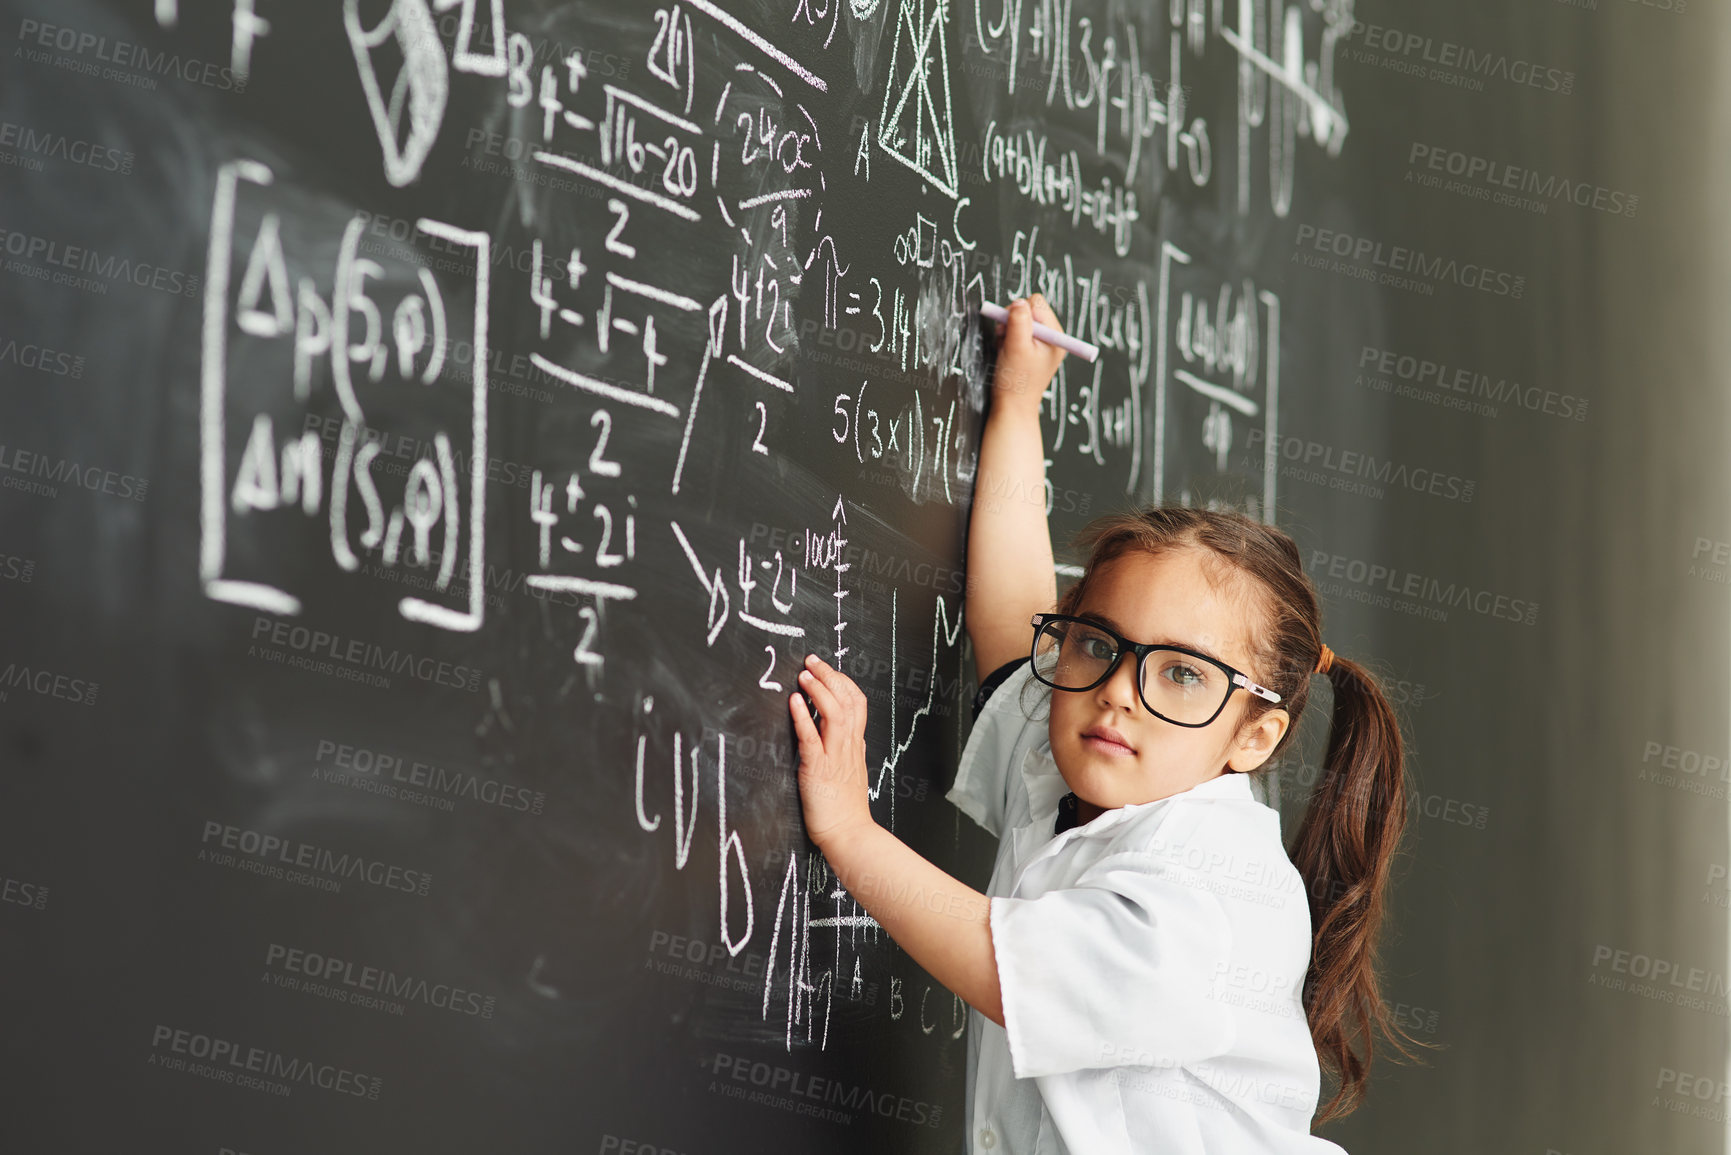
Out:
{"x": 1110, "y": 749}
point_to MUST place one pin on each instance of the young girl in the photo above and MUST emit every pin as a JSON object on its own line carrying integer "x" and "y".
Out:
{"x": 1137, "y": 968}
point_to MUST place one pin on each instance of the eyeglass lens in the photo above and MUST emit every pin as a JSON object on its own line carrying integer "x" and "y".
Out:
{"x": 1074, "y": 655}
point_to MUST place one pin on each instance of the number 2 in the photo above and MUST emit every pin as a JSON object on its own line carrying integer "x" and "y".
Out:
{"x": 584, "y": 655}
{"x": 762, "y": 423}
{"x": 765, "y": 681}
{"x": 614, "y": 245}
{"x": 599, "y": 465}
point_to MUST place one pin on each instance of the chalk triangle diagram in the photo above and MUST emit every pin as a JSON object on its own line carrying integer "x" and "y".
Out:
{"x": 917, "y": 127}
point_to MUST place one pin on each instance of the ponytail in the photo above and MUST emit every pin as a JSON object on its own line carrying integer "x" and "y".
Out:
{"x": 1344, "y": 851}
{"x": 1350, "y": 835}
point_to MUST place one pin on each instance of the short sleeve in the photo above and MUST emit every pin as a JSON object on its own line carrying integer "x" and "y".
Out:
{"x": 1002, "y": 736}
{"x": 1118, "y": 970}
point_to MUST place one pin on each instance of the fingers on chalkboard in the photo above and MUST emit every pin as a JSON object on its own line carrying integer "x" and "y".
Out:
{"x": 811, "y": 710}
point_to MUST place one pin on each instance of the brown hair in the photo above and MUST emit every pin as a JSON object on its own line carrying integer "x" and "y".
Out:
{"x": 1348, "y": 839}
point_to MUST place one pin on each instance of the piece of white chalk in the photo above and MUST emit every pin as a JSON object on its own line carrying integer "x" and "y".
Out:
{"x": 1045, "y": 333}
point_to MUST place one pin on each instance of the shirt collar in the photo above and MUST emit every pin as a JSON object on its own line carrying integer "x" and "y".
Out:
{"x": 1229, "y": 784}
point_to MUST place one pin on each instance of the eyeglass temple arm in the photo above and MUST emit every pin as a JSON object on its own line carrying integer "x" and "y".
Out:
{"x": 1260, "y": 691}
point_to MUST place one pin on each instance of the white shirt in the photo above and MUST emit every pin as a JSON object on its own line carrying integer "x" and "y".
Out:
{"x": 1152, "y": 964}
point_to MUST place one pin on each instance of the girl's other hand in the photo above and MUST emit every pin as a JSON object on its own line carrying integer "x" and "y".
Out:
{"x": 1025, "y": 366}
{"x": 832, "y": 755}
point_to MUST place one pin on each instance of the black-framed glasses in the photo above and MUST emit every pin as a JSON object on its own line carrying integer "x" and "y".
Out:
{"x": 1176, "y": 683}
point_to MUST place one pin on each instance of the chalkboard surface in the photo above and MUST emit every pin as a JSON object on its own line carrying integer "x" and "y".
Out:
{"x": 434, "y": 430}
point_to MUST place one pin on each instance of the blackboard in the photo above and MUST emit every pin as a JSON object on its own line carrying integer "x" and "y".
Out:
{"x": 434, "y": 429}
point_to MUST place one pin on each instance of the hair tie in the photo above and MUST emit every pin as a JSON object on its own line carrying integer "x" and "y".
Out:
{"x": 1325, "y": 661}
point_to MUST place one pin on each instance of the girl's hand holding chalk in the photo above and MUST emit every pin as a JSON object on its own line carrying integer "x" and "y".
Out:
{"x": 1047, "y": 333}
{"x": 1025, "y": 365}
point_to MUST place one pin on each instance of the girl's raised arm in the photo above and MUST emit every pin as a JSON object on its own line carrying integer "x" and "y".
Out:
{"x": 1010, "y": 575}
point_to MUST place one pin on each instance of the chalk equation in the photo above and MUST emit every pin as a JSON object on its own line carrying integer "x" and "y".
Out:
{"x": 1217, "y": 370}
{"x": 384, "y": 335}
